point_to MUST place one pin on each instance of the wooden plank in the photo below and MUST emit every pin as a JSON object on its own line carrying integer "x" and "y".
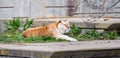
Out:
{"x": 37, "y": 8}
{"x": 6, "y": 8}
{"x": 55, "y": 8}
{"x": 21, "y": 8}
{"x": 6, "y": 13}
{"x": 6, "y": 3}
{"x": 42, "y": 9}
{"x": 56, "y": 2}
{"x": 59, "y": 6}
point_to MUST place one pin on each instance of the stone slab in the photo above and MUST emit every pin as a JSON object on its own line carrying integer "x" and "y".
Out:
{"x": 85, "y": 49}
{"x": 98, "y": 23}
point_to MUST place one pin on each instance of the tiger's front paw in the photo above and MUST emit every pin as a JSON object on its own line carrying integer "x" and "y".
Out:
{"x": 73, "y": 40}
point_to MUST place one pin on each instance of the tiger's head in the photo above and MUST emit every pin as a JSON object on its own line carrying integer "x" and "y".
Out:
{"x": 63, "y": 26}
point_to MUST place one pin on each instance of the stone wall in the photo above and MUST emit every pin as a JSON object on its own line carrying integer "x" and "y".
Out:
{"x": 83, "y": 49}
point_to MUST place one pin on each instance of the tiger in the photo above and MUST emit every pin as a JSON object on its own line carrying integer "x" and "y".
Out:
{"x": 55, "y": 29}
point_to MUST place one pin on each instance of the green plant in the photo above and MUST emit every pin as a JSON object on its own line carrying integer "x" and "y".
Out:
{"x": 13, "y": 24}
{"x": 110, "y": 35}
{"x": 27, "y": 24}
{"x": 15, "y": 37}
{"x": 113, "y": 35}
{"x": 74, "y": 31}
{"x": 93, "y": 34}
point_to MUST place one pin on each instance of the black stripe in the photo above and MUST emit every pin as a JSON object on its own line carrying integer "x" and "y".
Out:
{"x": 13, "y": 56}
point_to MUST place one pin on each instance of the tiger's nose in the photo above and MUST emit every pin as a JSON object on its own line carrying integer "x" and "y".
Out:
{"x": 67, "y": 30}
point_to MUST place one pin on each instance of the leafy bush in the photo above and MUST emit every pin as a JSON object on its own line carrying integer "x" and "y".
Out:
{"x": 110, "y": 35}
{"x": 74, "y": 31}
{"x": 92, "y": 34}
{"x": 27, "y": 24}
{"x": 15, "y": 24}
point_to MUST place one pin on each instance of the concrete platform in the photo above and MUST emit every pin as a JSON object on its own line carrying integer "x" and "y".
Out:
{"x": 83, "y": 49}
{"x": 102, "y": 23}
{"x": 84, "y": 23}
{"x": 98, "y": 23}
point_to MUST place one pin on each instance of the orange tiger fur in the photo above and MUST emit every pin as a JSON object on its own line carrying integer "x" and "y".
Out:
{"x": 49, "y": 30}
{"x": 40, "y": 31}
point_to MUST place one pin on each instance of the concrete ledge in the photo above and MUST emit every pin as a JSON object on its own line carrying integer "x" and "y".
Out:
{"x": 100, "y": 23}
{"x": 83, "y": 49}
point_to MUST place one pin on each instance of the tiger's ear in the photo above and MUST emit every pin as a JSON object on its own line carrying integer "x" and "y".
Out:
{"x": 59, "y": 21}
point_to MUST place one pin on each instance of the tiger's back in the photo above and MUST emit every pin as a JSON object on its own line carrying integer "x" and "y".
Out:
{"x": 40, "y": 31}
